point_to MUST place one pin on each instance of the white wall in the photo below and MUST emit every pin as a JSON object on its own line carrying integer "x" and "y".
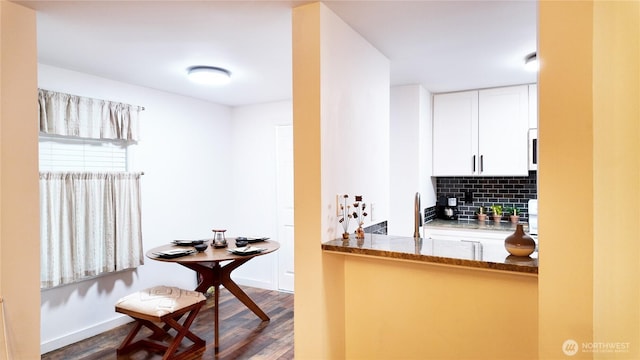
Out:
{"x": 355, "y": 122}
{"x": 410, "y": 156}
{"x": 254, "y": 199}
{"x": 185, "y": 155}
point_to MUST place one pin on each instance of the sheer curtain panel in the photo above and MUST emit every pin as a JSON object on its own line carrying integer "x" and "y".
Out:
{"x": 90, "y": 224}
{"x": 78, "y": 116}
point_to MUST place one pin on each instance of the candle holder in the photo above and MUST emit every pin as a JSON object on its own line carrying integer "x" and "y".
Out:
{"x": 219, "y": 239}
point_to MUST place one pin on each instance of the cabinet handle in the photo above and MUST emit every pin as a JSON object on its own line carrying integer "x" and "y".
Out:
{"x": 476, "y": 247}
{"x": 473, "y": 164}
{"x": 481, "y": 163}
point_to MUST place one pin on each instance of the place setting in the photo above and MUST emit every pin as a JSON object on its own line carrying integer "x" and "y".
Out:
{"x": 187, "y": 247}
{"x": 174, "y": 253}
{"x": 243, "y": 246}
{"x": 251, "y": 240}
{"x": 246, "y": 250}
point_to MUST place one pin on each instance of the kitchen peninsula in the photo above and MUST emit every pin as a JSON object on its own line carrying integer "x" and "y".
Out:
{"x": 465, "y": 253}
{"x": 439, "y": 288}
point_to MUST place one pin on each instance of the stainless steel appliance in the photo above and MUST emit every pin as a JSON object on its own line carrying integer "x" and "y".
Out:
{"x": 533, "y": 217}
{"x": 533, "y": 149}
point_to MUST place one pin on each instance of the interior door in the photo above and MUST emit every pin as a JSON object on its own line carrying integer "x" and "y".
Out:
{"x": 284, "y": 165}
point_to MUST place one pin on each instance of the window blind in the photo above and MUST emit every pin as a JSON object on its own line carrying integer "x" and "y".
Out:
{"x": 65, "y": 154}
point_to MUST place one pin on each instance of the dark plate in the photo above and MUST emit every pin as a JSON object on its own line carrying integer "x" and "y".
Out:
{"x": 252, "y": 240}
{"x": 245, "y": 250}
{"x": 170, "y": 254}
{"x": 187, "y": 242}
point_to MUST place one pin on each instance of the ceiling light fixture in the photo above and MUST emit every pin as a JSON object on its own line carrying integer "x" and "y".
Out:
{"x": 209, "y": 75}
{"x": 531, "y": 62}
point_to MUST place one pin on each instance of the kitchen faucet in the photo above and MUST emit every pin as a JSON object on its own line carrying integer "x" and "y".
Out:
{"x": 417, "y": 217}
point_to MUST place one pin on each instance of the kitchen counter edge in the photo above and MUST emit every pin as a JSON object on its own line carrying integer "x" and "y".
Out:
{"x": 339, "y": 246}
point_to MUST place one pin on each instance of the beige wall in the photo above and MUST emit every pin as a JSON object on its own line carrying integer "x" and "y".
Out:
{"x": 318, "y": 335}
{"x": 565, "y": 176}
{"x": 403, "y": 310}
{"x": 19, "y": 207}
{"x": 589, "y": 177}
{"x": 616, "y": 148}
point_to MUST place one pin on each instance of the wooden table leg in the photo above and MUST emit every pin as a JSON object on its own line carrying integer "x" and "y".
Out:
{"x": 216, "y": 316}
{"x": 241, "y": 295}
{"x": 216, "y": 275}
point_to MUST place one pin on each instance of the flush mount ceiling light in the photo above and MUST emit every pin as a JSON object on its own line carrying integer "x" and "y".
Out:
{"x": 531, "y": 62}
{"x": 209, "y": 75}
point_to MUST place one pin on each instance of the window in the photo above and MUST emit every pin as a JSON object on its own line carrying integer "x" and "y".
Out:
{"x": 74, "y": 154}
{"x": 90, "y": 210}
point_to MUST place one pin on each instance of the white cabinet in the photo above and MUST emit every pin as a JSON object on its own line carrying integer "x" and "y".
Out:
{"x": 503, "y": 124}
{"x": 455, "y": 133}
{"x": 533, "y": 106}
{"x": 455, "y": 234}
{"x": 481, "y": 132}
{"x": 492, "y": 240}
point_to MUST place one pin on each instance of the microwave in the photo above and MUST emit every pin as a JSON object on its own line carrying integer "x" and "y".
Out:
{"x": 533, "y": 149}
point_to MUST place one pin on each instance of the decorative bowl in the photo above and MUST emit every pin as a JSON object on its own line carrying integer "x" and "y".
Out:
{"x": 201, "y": 247}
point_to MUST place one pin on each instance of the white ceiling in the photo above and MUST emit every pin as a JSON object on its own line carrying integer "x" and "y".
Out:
{"x": 443, "y": 45}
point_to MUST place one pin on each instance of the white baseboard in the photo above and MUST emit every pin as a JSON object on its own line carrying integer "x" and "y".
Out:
{"x": 256, "y": 283}
{"x": 85, "y": 333}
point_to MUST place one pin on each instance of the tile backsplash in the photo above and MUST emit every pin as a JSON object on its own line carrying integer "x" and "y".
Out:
{"x": 379, "y": 228}
{"x": 508, "y": 191}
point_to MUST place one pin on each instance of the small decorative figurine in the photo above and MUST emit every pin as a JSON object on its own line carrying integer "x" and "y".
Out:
{"x": 346, "y": 217}
{"x": 357, "y": 213}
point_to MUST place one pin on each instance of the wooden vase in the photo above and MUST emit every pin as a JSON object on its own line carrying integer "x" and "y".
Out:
{"x": 519, "y": 243}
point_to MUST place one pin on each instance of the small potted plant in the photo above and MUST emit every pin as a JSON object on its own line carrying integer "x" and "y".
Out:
{"x": 482, "y": 216}
{"x": 513, "y": 214}
{"x": 497, "y": 212}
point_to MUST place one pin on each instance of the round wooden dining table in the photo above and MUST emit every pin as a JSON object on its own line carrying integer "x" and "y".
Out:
{"x": 211, "y": 273}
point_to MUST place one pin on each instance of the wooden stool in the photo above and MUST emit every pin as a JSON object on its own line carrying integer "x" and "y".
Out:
{"x": 162, "y": 304}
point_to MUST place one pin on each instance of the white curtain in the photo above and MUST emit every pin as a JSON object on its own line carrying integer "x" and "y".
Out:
{"x": 90, "y": 223}
{"x": 71, "y": 115}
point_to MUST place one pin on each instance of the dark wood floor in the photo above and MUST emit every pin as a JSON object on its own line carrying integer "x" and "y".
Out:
{"x": 242, "y": 334}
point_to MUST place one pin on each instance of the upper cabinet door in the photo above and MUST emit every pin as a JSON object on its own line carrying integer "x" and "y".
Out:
{"x": 533, "y": 106}
{"x": 503, "y": 123}
{"x": 455, "y": 129}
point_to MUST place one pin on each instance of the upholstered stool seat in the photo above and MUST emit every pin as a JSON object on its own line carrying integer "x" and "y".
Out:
{"x": 162, "y": 304}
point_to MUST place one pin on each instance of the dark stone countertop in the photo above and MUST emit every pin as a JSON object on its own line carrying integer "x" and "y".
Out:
{"x": 488, "y": 256}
